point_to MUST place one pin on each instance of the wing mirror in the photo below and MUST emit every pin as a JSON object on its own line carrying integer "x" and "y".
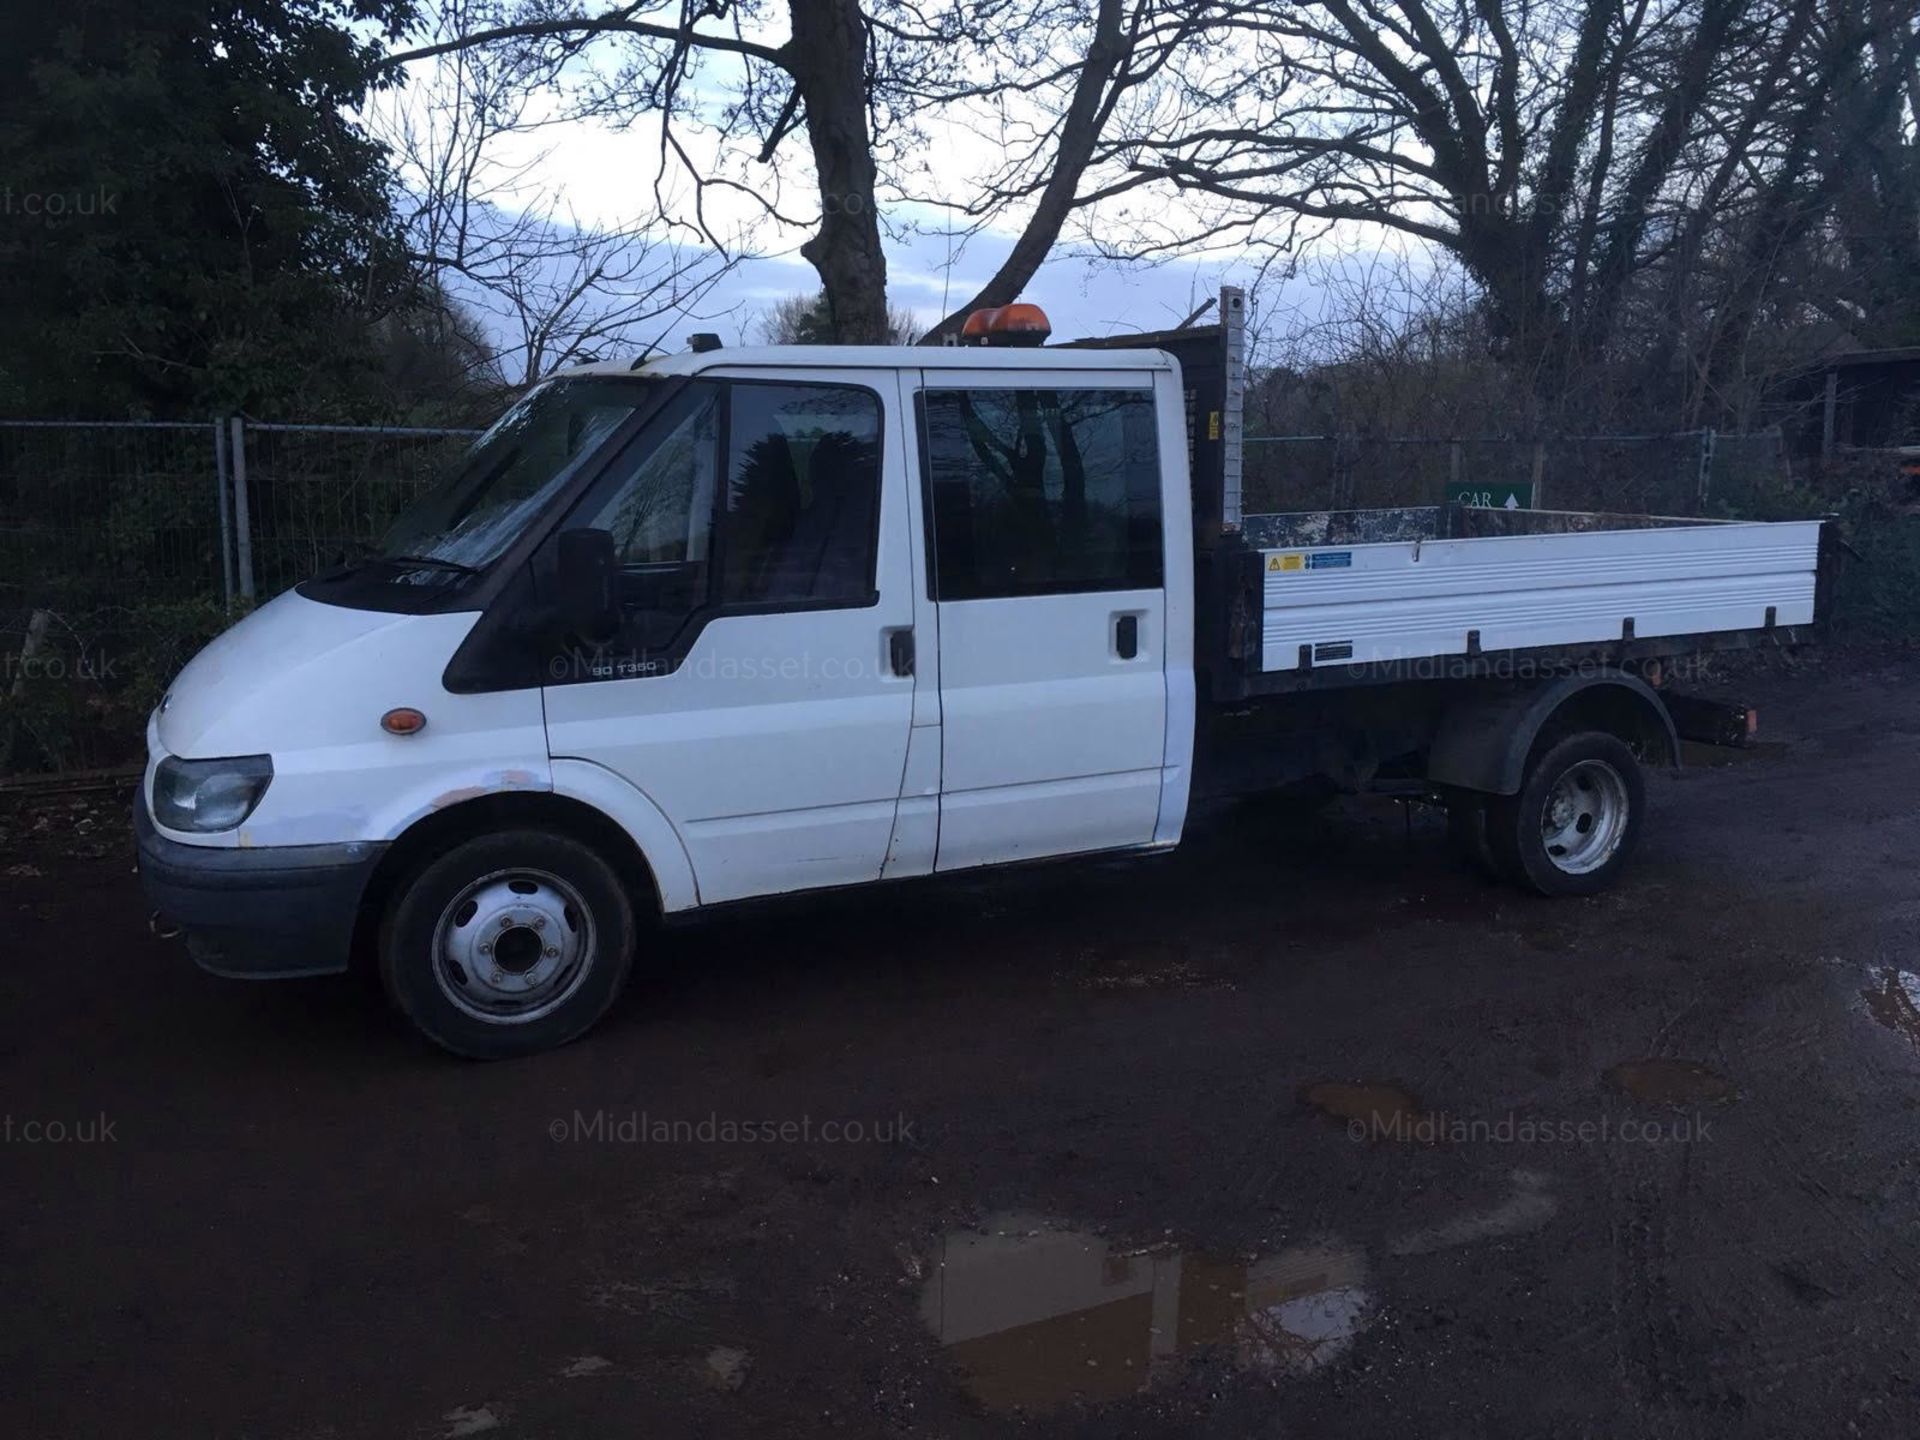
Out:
{"x": 588, "y": 578}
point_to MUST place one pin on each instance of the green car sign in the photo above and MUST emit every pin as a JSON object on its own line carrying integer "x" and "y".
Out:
{"x": 1491, "y": 497}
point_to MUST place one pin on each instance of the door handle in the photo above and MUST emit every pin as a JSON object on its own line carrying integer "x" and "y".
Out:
{"x": 1126, "y": 636}
{"x": 900, "y": 652}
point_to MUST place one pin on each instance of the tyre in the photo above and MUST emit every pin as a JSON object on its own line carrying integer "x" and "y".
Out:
{"x": 508, "y": 944}
{"x": 1576, "y": 819}
{"x": 1467, "y": 828}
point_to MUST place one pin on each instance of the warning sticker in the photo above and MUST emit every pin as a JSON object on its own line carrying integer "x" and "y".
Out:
{"x": 1286, "y": 562}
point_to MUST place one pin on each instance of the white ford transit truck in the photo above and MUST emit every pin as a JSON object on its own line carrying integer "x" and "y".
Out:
{"x": 741, "y": 623}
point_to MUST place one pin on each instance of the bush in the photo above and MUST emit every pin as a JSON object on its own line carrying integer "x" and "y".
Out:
{"x": 80, "y": 701}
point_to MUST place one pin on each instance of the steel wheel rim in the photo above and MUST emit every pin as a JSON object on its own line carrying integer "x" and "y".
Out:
{"x": 513, "y": 946}
{"x": 1585, "y": 817}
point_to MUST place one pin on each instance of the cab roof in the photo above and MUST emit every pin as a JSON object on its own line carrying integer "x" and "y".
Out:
{"x": 885, "y": 357}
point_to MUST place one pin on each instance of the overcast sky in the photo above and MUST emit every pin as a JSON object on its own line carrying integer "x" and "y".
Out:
{"x": 593, "y": 174}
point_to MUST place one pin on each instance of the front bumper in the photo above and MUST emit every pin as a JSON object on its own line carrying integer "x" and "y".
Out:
{"x": 276, "y": 912}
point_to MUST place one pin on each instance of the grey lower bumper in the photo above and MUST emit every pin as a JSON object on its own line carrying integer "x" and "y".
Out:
{"x": 280, "y": 911}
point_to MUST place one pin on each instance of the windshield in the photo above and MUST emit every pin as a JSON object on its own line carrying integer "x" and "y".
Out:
{"x": 475, "y": 512}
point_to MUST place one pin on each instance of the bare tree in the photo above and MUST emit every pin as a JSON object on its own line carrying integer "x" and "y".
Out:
{"x": 1610, "y": 173}
{"x": 1046, "y": 102}
{"x": 724, "y": 94}
{"x": 1557, "y": 148}
{"x": 499, "y": 241}
{"x": 1826, "y": 242}
{"x": 667, "y": 59}
{"x": 1877, "y": 199}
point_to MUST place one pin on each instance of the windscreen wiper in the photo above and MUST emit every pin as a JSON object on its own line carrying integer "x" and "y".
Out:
{"x": 427, "y": 562}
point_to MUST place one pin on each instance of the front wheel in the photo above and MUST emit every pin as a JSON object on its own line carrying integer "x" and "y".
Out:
{"x": 1576, "y": 819}
{"x": 508, "y": 944}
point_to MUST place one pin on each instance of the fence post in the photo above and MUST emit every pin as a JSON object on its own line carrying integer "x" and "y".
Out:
{"x": 1707, "y": 438}
{"x": 242, "y": 525}
{"x": 226, "y": 511}
{"x": 1539, "y": 472}
{"x": 1829, "y": 404}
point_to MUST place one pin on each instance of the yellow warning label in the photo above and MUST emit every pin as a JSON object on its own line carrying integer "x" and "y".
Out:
{"x": 1286, "y": 562}
{"x": 1213, "y": 424}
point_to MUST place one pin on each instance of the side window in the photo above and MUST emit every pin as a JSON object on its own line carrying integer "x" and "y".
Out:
{"x": 1039, "y": 492}
{"x": 803, "y": 495}
{"x": 662, "y": 514}
{"x": 742, "y": 493}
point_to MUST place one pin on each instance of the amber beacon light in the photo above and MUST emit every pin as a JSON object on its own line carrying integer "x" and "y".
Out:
{"x": 1018, "y": 324}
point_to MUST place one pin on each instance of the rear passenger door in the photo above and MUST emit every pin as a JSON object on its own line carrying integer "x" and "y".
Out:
{"x": 1046, "y": 570}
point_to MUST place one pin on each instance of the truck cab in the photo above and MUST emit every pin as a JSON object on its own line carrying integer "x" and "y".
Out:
{"x": 720, "y": 626}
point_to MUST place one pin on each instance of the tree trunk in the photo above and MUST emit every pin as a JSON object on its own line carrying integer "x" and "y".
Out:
{"x": 1624, "y": 245}
{"x": 827, "y": 58}
{"x": 1078, "y": 133}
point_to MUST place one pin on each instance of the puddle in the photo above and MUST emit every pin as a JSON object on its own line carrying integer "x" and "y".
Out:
{"x": 1371, "y": 1109}
{"x": 1670, "y": 1082}
{"x": 1035, "y": 1316}
{"x": 1895, "y": 1002}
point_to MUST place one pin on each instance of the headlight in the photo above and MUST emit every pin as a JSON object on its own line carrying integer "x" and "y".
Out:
{"x": 208, "y": 795}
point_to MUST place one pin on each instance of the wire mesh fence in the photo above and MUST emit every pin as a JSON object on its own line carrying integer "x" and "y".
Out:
{"x": 316, "y": 492}
{"x": 198, "y": 510}
{"x": 87, "y": 508}
{"x": 126, "y": 546}
{"x": 1673, "y": 474}
{"x": 151, "y": 510}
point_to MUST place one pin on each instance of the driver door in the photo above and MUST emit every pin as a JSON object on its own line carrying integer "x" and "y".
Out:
{"x": 757, "y": 692}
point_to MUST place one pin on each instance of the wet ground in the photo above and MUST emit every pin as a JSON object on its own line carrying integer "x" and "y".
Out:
{"x": 1303, "y": 1131}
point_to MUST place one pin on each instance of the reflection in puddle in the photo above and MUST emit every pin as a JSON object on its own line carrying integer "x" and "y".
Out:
{"x": 1895, "y": 1003}
{"x": 1670, "y": 1082}
{"x": 1036, "y": 1316}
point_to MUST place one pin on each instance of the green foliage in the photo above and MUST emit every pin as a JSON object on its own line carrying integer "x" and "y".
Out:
{"x": 81, "y": 700}
{"x": 189, "y": 221}
{"x": 1877, "y": 590}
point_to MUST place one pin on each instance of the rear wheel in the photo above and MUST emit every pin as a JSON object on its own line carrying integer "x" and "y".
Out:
{"x": 508, "y": 944}
{"x": 1576, "y": 819}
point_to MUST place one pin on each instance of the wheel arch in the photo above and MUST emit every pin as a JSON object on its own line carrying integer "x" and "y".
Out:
{"x": 1484, "y": 741}
{"x": 442, "y": 829}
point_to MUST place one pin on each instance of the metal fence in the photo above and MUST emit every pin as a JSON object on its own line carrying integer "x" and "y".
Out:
{"x": 316, "y": 491}
{"x": 125, "y": 546}
{"x": 1694, "y": 472}
{"x": 221, "y": 509}
{"x": 85, "y": 507}
{"x": 236, "y": 509}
